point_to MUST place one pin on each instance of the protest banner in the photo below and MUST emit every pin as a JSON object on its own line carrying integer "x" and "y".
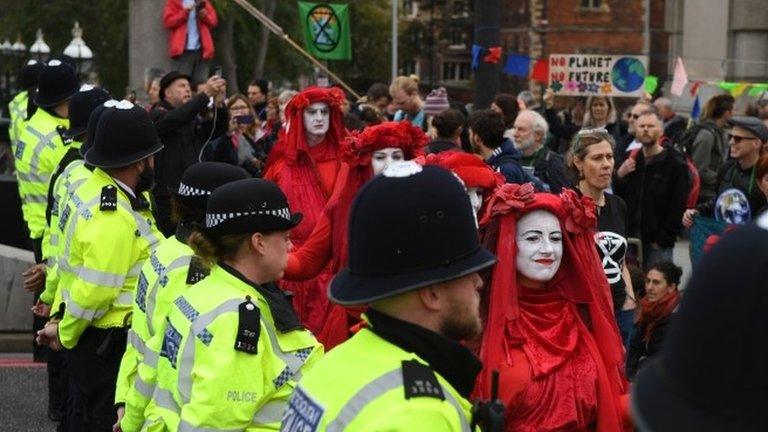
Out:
{"x": 604, "y": 75}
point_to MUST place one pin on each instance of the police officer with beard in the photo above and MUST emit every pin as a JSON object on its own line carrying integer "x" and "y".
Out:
{"x": 110, "y": 233}
{"x": 415, "y": 263}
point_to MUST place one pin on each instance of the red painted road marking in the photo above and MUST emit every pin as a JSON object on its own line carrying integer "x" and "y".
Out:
{"x": 19, "y": 362}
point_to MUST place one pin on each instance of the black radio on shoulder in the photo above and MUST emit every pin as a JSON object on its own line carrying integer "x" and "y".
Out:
{"x": 248, "y": 327}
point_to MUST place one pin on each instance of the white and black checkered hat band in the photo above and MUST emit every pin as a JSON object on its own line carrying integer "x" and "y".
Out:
{"x": 213, "y": 219}
{"x": 190, "y": 191}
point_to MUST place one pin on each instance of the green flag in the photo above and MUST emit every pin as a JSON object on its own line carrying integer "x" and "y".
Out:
{"x": 326, "y": 30}
{"x": 651, "y": 82}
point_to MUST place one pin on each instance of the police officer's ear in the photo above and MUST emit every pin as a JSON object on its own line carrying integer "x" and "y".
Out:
{"x": 431, "y": 297}
{"x": 257, "y": 243}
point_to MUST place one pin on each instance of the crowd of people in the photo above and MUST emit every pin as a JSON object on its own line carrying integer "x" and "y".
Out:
{"x": 299, "y": 261}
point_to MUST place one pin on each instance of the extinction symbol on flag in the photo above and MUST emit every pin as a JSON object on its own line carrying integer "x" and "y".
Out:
{"x": 326, "y": 30}
{"x": 325, "y": 27}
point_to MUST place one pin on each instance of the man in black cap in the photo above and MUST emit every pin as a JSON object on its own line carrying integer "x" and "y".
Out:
{"x": 737, "y": 198}
{"x": 109, "y": 234}
{"x": 415, "y": 263}
{"x": 183, "y": 133}
{"x": 711, "y": 373}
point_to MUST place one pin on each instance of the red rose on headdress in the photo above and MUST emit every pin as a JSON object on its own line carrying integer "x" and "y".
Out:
{"x": 579, "y": 212}
{"x": 357, "y": 149}
{"x": 506, "y": 198}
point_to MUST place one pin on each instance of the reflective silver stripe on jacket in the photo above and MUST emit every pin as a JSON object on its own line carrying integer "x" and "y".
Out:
{"x": 145, "y": 230}
{"x": 182, "y": 261}
{"x": 80, "y": 312}
{"x": 383, "y": 384}
{"x": 43, "y": 141}
{"x": 271, "y": 412}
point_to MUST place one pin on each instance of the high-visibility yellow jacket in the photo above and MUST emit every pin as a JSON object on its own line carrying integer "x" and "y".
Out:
{"x": 65, "y": 185}
{"x": 17, "y": 109}
{"x": 360, "y": 386}
{"x": 112, "y": 236}
{"x": 38, "y": 152}
{"x": 205, "y": 378}
{"x": 165, "y": 275}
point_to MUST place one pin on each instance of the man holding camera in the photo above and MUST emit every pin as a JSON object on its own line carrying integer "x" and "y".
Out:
{"x": 184, "y": 131}
{"x": 190, "y": 43}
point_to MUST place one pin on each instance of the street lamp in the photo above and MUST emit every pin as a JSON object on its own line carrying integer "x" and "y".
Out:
{"x": 19, "y": 51}
{"x": 40, "y": 50}
{"x": 78, "y": 50}
{"x": 5, "y": 54}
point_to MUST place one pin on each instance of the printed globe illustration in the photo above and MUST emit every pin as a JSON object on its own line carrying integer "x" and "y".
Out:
{"x": 628, "y": 74}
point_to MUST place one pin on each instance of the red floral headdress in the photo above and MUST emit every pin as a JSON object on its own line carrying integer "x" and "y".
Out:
{"x": 357, "y": 149}
{"x": 580, "y": 278}
{"x": 470, "y": 169}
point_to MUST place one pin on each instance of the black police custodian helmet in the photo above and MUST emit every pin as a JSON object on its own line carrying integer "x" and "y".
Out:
{"x": 201, "y": 179}
{"x": 80, "y": 107}
{"x": 93, "y": 122}
{"x": 55, "y": 84}
{"x": 410, "y": 227}
{"x": 124, "y": 135}
{"x": 249, "y": 206}
{"x": 695, "y": 384}
{"x": 30, "y": 73}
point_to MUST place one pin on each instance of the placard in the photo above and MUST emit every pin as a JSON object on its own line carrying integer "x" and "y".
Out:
{"x": 591, "y": 74}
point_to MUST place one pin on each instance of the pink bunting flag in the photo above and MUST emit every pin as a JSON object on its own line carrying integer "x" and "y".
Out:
{"x": 680, "y": 78}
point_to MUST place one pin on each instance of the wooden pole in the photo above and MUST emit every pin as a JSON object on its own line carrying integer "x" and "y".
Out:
{"x": 277, "y": 30}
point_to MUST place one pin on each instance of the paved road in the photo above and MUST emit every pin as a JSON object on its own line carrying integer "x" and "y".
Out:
{"x": 23, "y": 395}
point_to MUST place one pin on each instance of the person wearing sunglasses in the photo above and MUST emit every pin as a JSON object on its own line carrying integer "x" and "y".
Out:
{"x": 738, "y": 196}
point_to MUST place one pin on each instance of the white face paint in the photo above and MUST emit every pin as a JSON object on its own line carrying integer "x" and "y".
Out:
{"x": 317, "y": 118}
{"x": 381, "y": 159}
{"x": 539, "y": 246}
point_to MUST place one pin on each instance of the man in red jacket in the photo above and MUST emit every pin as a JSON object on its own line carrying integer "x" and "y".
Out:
{"x": 190, "y": 43}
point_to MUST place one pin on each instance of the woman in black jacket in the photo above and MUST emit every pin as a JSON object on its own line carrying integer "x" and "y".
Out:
{"x": 656, "y": 311}
{"x": 242, "y": 144}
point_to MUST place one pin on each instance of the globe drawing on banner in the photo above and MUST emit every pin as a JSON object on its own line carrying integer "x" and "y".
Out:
{"x": 628, "y": 74}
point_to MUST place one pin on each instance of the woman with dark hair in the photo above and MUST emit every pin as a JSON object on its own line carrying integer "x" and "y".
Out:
{"x": 656, "y": 311}
{"x": 448, "y": 126}
{"x": 591, "y": 160}
{"x": 240, "y": 146}
{"x": 506, "y": 105}
{"x": 600, "y": 113}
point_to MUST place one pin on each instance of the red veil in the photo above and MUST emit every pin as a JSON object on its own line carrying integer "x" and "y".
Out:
{"x": 580, "y": 280}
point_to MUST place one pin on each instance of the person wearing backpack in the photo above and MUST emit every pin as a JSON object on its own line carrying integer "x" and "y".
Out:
{"x": 707, "y": 145}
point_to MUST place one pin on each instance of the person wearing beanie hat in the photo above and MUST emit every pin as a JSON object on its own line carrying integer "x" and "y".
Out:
{"x": 233, "y": 348}
{"x": 436, "y": 102}
{"x": 549, "y": 328}
{"x": 184, "y": 133}
{"x": 305, "y": 164}
{"x": 107, "y": 213}
{"x": 40, "y": 146}
{"x": 170, "y": 270}
{"x": 724, "y": 301}
{"x": 21, "y": 107}
{"x": 364, "y": 155}
{"x": 415, "y": 262}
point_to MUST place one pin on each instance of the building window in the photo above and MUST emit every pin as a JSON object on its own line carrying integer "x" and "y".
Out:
{"x": 456, "y": 71}
{"x": 458, "y": 39}
{"x": 593, "y": 5}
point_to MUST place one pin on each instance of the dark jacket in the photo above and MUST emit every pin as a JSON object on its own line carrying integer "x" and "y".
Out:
{"x": 549, "y": 169}
{"x": 675, "y": 126}
{"x": 439, "y": 145}
{"x": 506, "y": 160}
{"x": 639, "y": 350}
{"x": 183, "y": 134}
{"x": 731, "y": 176}
{"x": 656, "y": 194}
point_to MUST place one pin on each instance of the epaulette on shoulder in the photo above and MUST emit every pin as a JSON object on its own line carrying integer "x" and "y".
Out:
{"x": 197, "y": 270}
{"x": 61, "y": 129}
{"x": 108, "y": 200}
{"x": 419, "y": 380}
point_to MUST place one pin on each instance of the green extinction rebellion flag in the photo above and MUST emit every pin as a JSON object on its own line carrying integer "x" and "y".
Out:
{"x": 326, "y": 30}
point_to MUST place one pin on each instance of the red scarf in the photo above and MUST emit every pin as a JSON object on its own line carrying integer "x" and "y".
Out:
{"x": 653, "y": 312}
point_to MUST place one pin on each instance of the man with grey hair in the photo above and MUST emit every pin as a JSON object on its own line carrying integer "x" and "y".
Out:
{"x": 674, "y": 124}
{"x": 530, "y": 131}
